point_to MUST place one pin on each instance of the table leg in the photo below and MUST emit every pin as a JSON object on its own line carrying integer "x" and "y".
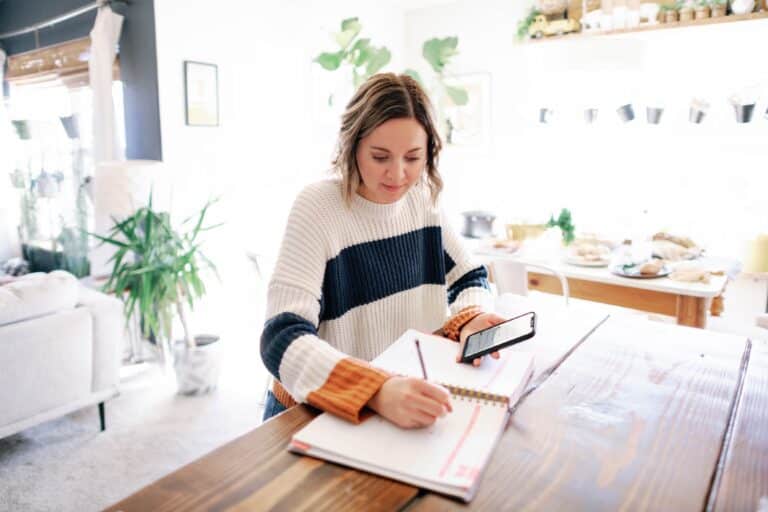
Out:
{"x": 692, "y": 311}
{"x": 718, "y": 306}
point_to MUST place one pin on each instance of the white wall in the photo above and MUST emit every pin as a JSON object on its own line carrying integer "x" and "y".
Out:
{"x": 275, "y": 137}
{"x": 706, "y": 180}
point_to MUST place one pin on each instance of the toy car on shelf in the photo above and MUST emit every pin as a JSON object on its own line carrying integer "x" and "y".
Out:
{"x": 541, "y": 27}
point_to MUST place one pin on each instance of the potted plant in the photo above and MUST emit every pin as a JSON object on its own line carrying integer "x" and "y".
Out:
{"x": 685, "y": 12}
{"x": 524, "y": 23}
{"x": 702, "y": 9}
{"x": 565, "y": 222}
{"x": 157, "y": 272}
{"x": 718, "y": 7}
{"x": 670, "y": 13}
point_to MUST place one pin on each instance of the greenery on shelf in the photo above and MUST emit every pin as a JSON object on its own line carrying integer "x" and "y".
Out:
{"x": 524, "y": 23}
{"x": 676, "y": 6}
{"x": 355, "y": 52}
{"x": 157, "y": 269}
{"x": 565, "y": 223}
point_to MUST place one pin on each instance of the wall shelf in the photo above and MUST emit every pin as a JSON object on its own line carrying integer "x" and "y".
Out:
{"x": 661, "y": 26}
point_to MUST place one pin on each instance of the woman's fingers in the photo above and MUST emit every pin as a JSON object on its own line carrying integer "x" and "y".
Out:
{"x": 420, "y": 419}
{"x": 428, "y": 406}
{"x": 436, "y": 394}
{"x": 495, "y": 355}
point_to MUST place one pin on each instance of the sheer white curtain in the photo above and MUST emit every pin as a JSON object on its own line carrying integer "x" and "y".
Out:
{"x": 9, "y": 242}
{"x": 104, "y": 38}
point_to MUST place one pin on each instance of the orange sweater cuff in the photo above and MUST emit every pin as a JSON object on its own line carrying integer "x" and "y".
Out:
{"x": 349, "y": 387}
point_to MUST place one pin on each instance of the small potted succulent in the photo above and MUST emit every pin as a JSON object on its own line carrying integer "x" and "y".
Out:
{"x": 670, "y": 13}
{"x": 701, "y": 10}
{"x": 718, "y": 7}
{"x": 686, "y": 12}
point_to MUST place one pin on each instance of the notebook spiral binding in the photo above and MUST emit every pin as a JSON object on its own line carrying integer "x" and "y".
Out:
{"x": 474, "y": 395}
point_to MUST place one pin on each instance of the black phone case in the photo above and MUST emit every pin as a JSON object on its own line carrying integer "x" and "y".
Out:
{"x": 500, "y": 346}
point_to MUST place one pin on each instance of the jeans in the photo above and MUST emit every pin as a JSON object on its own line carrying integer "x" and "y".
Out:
{"x": 272, "y": 407}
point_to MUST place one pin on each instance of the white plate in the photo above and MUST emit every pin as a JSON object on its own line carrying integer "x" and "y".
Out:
{"x": 581, "y": 262}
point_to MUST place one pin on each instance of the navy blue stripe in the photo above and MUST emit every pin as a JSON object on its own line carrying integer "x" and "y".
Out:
{"x": 449, "y": 263}
{"x": 475, "y": 278}
{"x": 279, "y": 332}
{"x": 371, "y": 271}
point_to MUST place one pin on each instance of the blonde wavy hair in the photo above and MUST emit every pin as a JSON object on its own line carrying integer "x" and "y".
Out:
{"x": 383, "y": 97}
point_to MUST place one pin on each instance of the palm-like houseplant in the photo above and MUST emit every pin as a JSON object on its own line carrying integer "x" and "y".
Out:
{"x": 157, "y": 269}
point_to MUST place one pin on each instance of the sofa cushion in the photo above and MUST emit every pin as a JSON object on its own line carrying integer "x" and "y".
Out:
{"x": 38, "y": 294}
{"x": 44, "y": 364}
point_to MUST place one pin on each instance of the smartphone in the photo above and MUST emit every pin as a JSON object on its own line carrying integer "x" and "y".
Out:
{"x": 514, "y": 330}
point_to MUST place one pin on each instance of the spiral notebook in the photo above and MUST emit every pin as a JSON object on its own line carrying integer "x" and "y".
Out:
{"x": 448, "y": 457}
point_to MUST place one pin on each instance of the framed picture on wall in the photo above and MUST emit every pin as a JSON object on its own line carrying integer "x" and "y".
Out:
{"x": 469, "y": 125}
{"x": 201, "y": 93}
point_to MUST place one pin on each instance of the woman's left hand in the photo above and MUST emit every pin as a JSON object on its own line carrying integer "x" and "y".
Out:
{"x": 477, "y": 324}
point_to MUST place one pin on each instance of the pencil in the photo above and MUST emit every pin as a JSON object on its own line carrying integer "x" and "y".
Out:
{"x": 421, "y": 359}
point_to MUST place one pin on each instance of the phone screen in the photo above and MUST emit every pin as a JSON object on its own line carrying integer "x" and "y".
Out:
{"x": 498, "y": 334}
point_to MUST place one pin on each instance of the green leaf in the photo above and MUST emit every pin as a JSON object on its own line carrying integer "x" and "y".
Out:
{"x": 380, "y": 57}
{"x": 344, "y": 38}
{"x": 351, "y": 24}
{"x": 415, "y": 75}
{"x": 361, "y": 52}
{"x": 330, "y": 61}
{"x": 438, "y": 52}
{"x": 458, "y": 95}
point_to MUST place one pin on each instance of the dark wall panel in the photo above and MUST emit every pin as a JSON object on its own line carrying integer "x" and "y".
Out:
{"x": 138, "y": 58}
{"x": 17, "y": 14}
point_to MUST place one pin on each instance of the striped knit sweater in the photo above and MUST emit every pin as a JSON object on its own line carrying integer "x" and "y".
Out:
{"x": 348, "y": 282}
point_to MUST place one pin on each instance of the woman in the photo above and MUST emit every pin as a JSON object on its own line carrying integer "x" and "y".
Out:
{"x": 364, "y": 257}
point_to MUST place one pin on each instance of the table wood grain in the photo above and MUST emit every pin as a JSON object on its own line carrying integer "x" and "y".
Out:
{"x": 256, "y": 472}
{"x": 633, "y": 420}
{"x": 744, "y": 482}
{"x": 638, "y": 416}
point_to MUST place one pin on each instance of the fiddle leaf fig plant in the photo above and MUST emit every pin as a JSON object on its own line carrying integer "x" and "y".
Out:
{"x": 363, "y": 58}
{"x": 438, "y": 53}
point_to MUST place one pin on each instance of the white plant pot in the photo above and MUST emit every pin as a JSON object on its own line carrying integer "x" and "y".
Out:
{"x": 742, "y": 6}
{"x": 197, "y": 369}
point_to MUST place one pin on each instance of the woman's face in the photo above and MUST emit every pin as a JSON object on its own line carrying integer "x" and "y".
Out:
{"x": 391, "y": 159}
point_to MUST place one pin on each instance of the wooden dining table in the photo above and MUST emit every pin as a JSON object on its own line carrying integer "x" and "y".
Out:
{"x": 631, "y": 414}
{"x": 689, "y": 303}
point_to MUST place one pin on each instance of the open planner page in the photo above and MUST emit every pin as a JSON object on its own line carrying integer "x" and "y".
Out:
{"x": 504, "y": 376}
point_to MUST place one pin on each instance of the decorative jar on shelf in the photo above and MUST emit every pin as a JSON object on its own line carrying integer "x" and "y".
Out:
{"x": 686, "y": 14}
{"x": 551, "y": 7}
{"x": 718, "y": 8}
{"x": 702, "y": 11}
{"x": 742, "y": 6}
{"x": 671, "y": 16}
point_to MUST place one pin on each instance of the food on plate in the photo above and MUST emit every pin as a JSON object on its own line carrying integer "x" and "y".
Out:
{"x": 651, "y": 268}
{"x": 589, "y": 250}
{"x": 691, "y": 275}
{"x": 679, "y": 240}
{"x": 675, "y": 248}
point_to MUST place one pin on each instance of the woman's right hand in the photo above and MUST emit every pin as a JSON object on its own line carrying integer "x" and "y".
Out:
{"x": 410, "y": 402}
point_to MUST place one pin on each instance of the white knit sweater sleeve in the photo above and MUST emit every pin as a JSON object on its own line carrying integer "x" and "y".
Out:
{"x": 304, "y": 364}
{"x": 467, "y": 281}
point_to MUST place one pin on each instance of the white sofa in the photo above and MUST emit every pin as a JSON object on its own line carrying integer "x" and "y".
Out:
{"x": 60, "y": 346}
